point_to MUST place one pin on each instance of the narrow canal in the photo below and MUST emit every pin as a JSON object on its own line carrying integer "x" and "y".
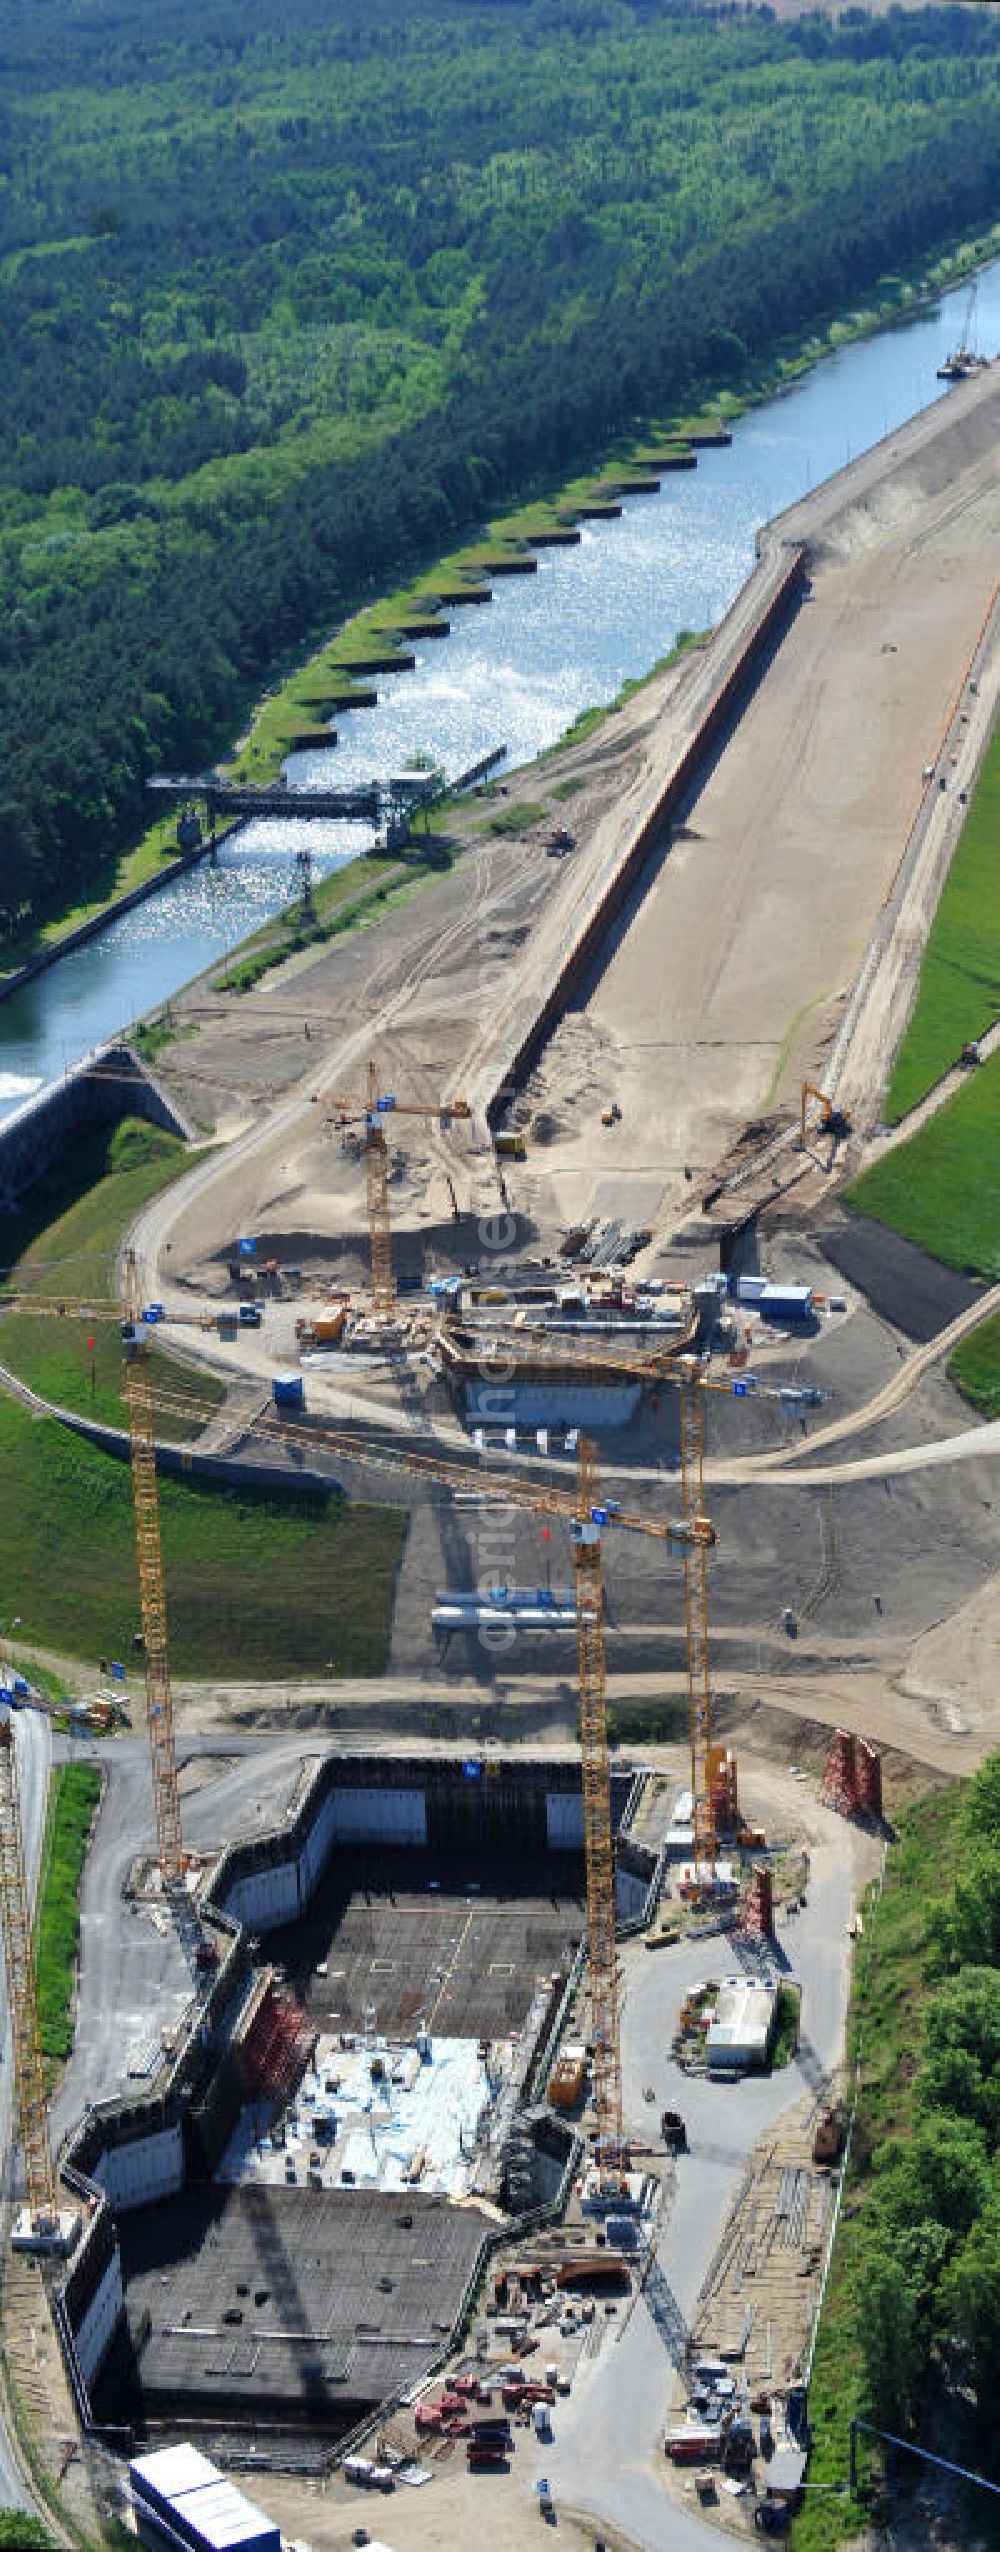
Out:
{"x": 516, "y": 672}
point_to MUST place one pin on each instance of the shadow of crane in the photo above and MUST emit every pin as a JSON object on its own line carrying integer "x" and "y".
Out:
{"x": 665, "y": 2312}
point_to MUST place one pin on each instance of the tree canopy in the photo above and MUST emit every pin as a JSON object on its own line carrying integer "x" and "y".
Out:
{"x": 292, "y": 300}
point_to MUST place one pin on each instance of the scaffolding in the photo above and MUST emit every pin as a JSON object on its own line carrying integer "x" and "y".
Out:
{"x": 19, "y": 1954}
{"x": 852, "y": 1777}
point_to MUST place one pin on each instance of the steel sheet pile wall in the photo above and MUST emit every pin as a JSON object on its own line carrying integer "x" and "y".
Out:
{"x": 774, "y": 587}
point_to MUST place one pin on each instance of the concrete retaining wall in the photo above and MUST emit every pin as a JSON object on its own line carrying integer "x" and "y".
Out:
{"x": 269, "y": 1879}
{"x": 109, "y": 1084}
{"x": 141, "y": 2149}
{"x": 552, "y": 1404}
{"x": 186, "y": 1462}
{"x": 137, "y": 2174}
{"x": 739, "y": 646}
{"x": 124, "y": 2153}
{"x": 98, "y": 2324}
{"x": 89, "y": 2304}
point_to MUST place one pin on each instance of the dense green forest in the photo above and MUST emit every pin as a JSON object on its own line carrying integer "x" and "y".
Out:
{"x": 910, "y": 2332}
{"x": 292, "y": 299}
{"x": 930, "y": 2292}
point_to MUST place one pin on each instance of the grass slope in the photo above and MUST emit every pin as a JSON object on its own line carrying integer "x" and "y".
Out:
{"x": 76, "y": 1788}
{"x": 257, "y": 1586}
{"x": 975, "y": 1367}
{"x": 942, "y": 1189}
{"x": 890, "y": 1992}
{"x": 958, "y": 995}
{"x": 63, "y": 1244}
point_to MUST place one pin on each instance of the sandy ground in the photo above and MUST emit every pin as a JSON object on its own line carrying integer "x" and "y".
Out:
{"x": 727, "y": 984}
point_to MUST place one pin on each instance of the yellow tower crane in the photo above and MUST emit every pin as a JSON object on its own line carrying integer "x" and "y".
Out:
{"x": 377, "y": 1106}
{"x": 152, "y": 1593}
{"x": 588, "y": 1519}
{"x": 141, "y": 1409}
{"x": 19, "y": 1956}
{"x": 697, "y": 1648}
{"x": 682, "y": 1373}
{"x": 598, "y": 1832}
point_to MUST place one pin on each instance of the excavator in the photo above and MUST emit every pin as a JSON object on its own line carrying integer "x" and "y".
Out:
{"x": 833, "y": 1120}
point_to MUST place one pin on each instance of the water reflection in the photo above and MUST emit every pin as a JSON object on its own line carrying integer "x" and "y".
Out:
{"x": 516, "y": 672}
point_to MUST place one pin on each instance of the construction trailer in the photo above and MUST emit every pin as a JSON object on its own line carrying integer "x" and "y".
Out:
{"x": 182, "y": 2497}
{"x": 741, "y": 2030}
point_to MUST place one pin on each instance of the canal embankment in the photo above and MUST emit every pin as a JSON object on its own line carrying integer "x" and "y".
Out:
{"x": 724, "y": 675}
{"x": 564, "y": 628}
{"x": 98, "y": 1091}
{"x": 100, "y": 919}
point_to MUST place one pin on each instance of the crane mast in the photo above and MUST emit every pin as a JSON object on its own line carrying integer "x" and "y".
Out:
{"x": 697, "y": 1649}
{"x": 377, "y": 1105}
{"x": 598, "y": 1836}
{"x": 152, "y": 1593}
{"x": 377, "y": 1191}
{"x": 29, "y": 2074}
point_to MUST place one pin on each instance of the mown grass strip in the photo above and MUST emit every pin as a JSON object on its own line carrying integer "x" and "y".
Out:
{"x": 73, "y": 1797}
{"x": 126, "y": 871}
{"x": 975, "y": 1367}
{"x": 942, "y": 1188}
{"x": 958, "y": 995}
